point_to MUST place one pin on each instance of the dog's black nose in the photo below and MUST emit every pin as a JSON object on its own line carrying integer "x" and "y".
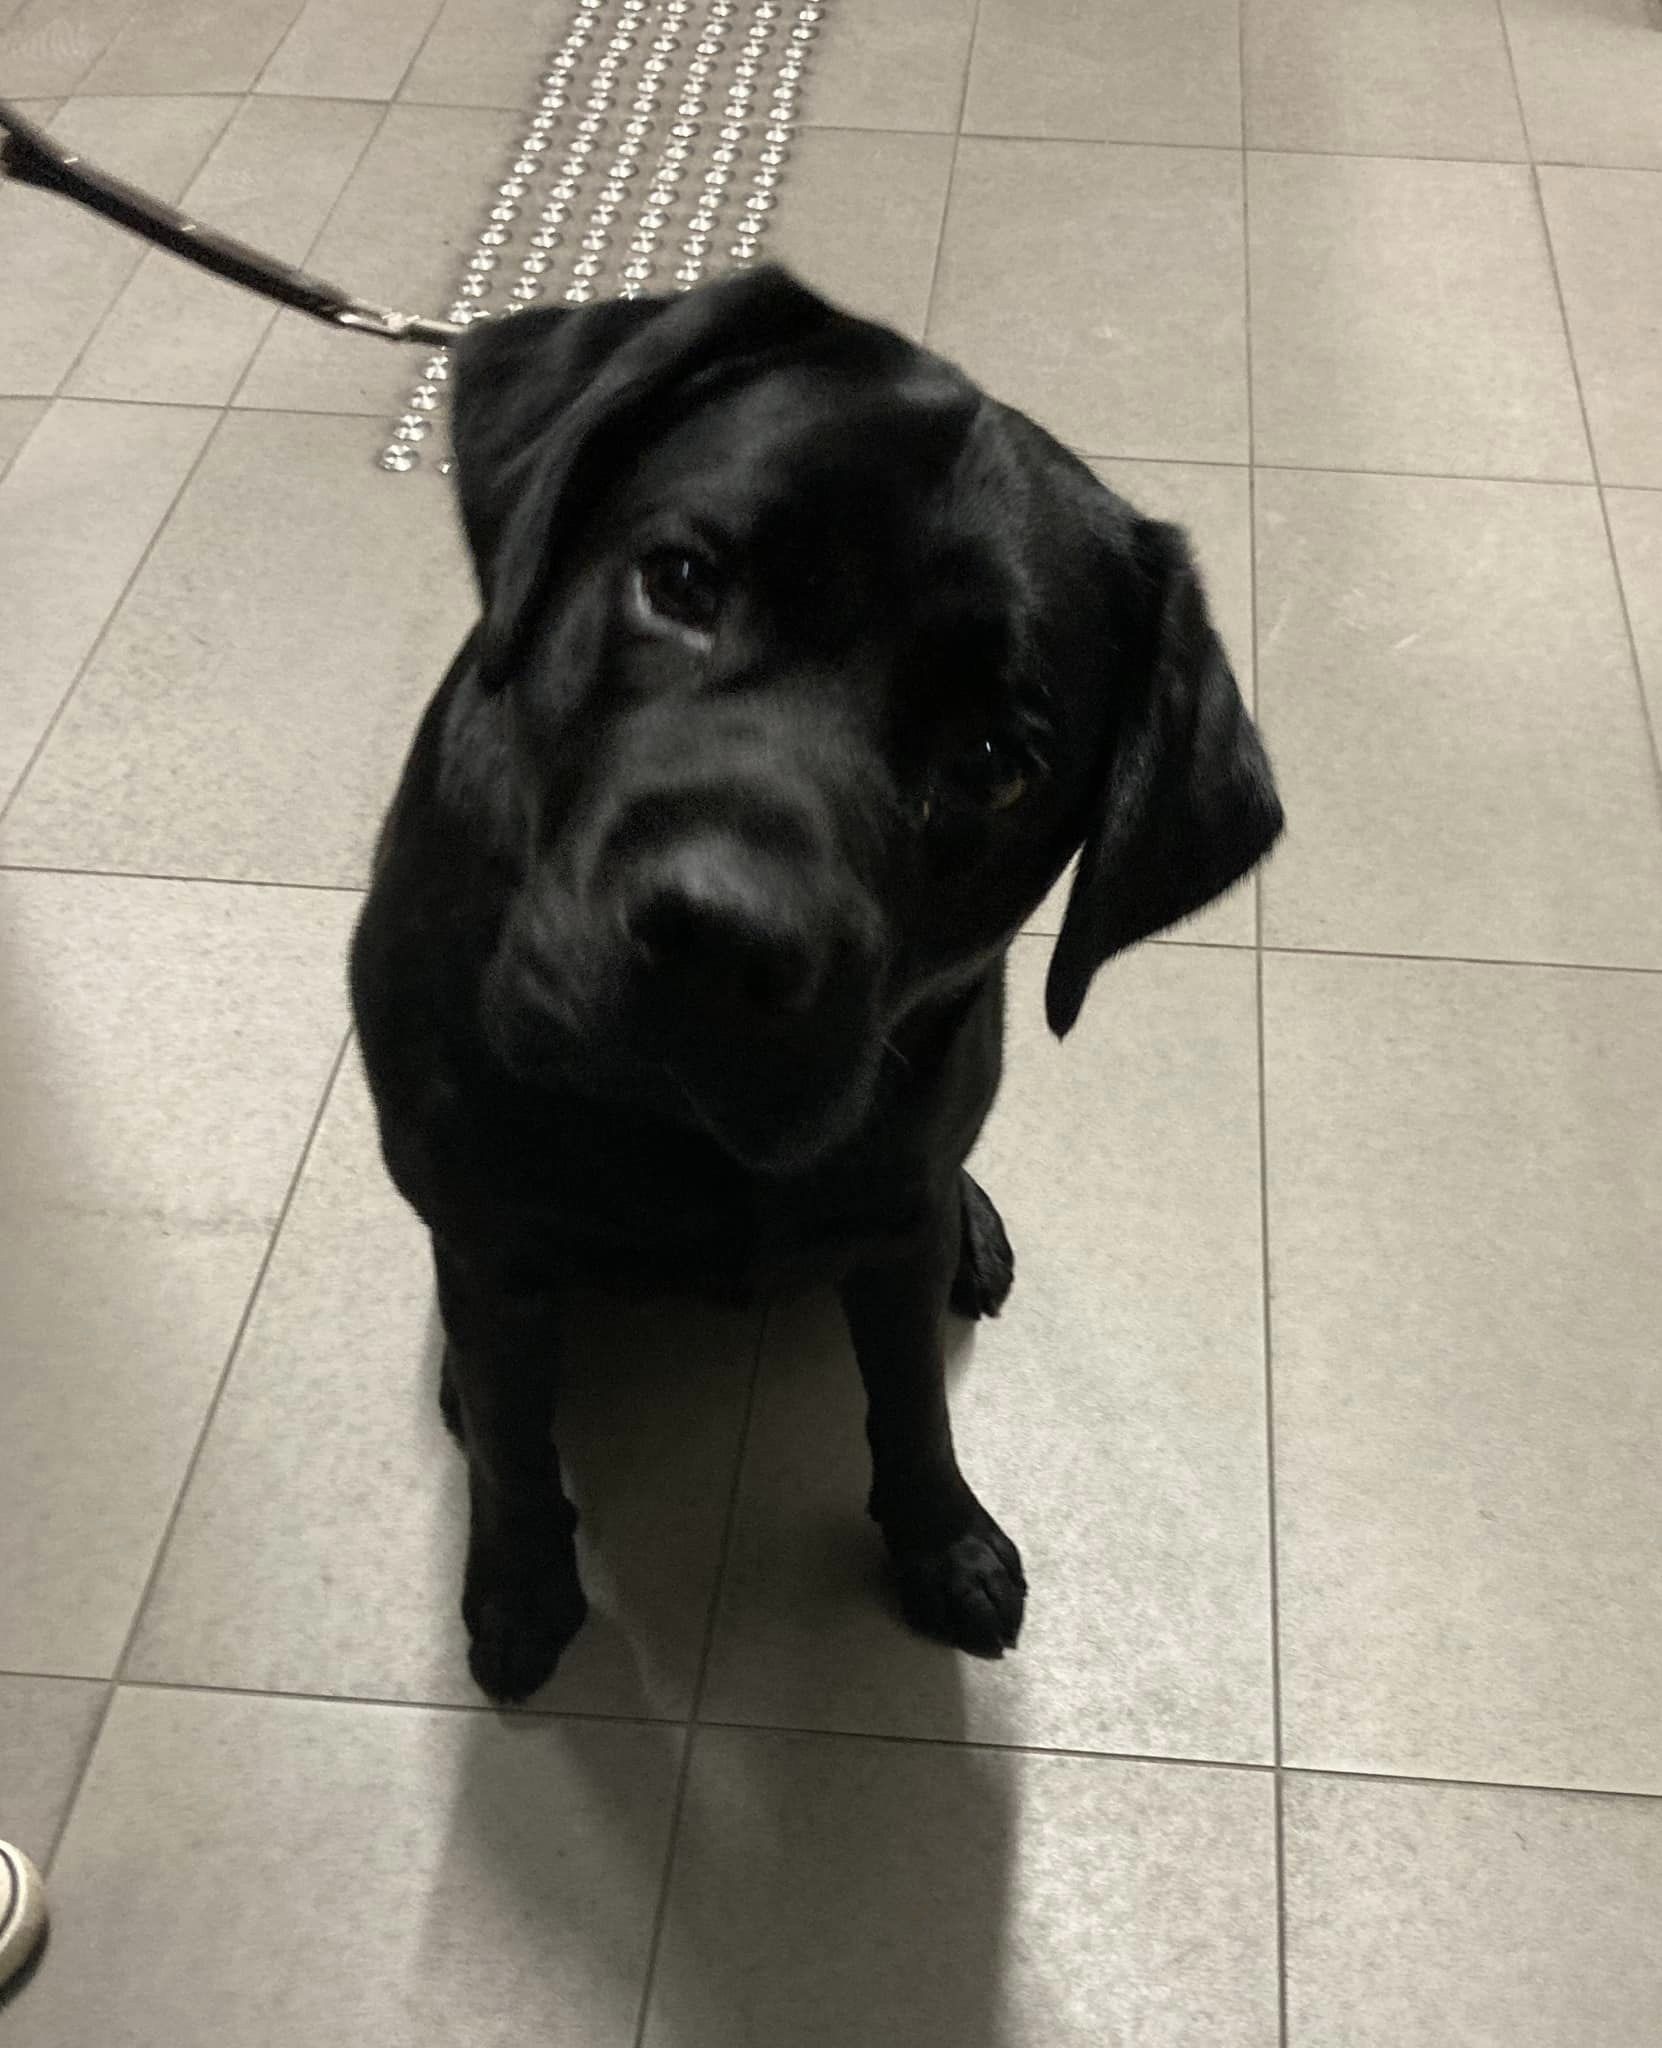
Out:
{"x": 714, "y": 924}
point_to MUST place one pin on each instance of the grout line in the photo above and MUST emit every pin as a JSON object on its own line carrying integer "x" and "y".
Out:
{"x": 420, "y": 51}
{"x": 1586, "y": 418}
{"x": 1175, "y": 460}
{"x": 712, "y": 1617}
{"x": 323, "y": 226}
{"x": 224, "y": 412}
{"x": 1271, "y": 1519}
{"x": 141, "y": 249}
{"x": 1512, "y": 73}
{"x": 1435, "y": 476}
{"x": 104, "y": 50}
{"x": 1164, "y": 940}
{"x": 589, "y": 1717}
{"x": 23, "y": 867}
{"x": 504, "y": 106}
{"x": 1459, "y": 959}
{"x": 256, "y": 1285}
{"x": 45, "y": 405}
{"x": 951, "y": 172}
{"x": 102, "y": 634}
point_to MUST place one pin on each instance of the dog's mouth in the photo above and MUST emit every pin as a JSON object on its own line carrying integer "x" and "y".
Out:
{"x": 774, "y": 1101}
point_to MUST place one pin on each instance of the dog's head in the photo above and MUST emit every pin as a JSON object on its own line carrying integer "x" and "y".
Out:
{"x": 803, "y": 670}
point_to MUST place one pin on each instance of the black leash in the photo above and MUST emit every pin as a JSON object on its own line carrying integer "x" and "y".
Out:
{"x": 28, "y": 154}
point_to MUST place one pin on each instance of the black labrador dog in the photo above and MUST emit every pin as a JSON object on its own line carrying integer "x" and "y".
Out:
{"x": 803, "y": 669}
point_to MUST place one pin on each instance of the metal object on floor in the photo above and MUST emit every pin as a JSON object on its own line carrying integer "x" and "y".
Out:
{"x": 612, "y": 85}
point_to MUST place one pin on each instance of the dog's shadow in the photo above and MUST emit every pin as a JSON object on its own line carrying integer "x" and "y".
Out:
{"x": 839, "y": 1890}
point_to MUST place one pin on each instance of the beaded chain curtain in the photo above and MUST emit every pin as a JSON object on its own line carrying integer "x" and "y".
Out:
{"x": 655, "y": 152}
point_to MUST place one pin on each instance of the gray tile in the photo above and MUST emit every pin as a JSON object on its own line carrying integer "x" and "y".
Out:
{"x": 247, "y": 711}
{"x": 18, "y": 420}
{"x": 78, "y": 508}
{"x": 177, "y": 334}
{"x": 1419, "y": 78}
{"x": 46, "y": 1730}
{"x": 1449, "y": 698}
{"x": 279, "y": 1872}
{"x": 165, "y": 1049}
{"x": 1100, "y": 289}
{"x": 1590, "y": 77}
{"x": 1212, "y": 501}
{"x": 485, "y": 53}
{"x": 1404, "y": 317}
{"x": 1636, "y": 525}
{"x": 268, "y": 1582}
{"x": 353, "y": 49}
{"x": 398, "y": 236}
{"x": 833, "y": 1894}
{"x": 1420, "y": 1915}
{"x": 184, "y": 46}
{"x": 1607, "y": 236}
{"x": 860, "y": 217}
{"x": 66, "y": 266}
{"x": 875, "y": 65}
{"x": 1112, "y": 1418}
{"x": 48, "y": 48}
{"x": 1141, "y": 71}
{"x": 1465, "y": 1188}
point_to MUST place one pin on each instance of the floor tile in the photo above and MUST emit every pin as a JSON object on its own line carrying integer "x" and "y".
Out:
{"x": 833, "y": 1894}
{"x": 861, "y": 219}
{"x": 330, "y": 1425}
{"x": 1420, "y": 1915}
{"x": 391, "y": 251}
{"x": 1465, "y": 1197}
{"x": 1590, "y": 77}
{"x": 1636, "y": 527}
{"x": 1607, "y": 236}
{"x": 279, "y": 1872}
{"x": 46, "y": 48}
{"x": 1212, "y": 501}
{"x": 485, "y": 53}
{"x": 875, "y": 65}
{"x": 166, "y": 1046}
{"x": 121, "y": 468}
{"x": 1425, "y": 78}
{"x": 1404, "y": 317}
{"x": 46, "y": 1730}
{"x": 1112, "y": 1418}
{"x": 176, "y": 333}
{"x": 1449, "y": 699}
{"x": 1100, "y": 289}
{"x": 18, "y": 419}
{"x": 1143, "y": 71}
{"x": 183, "y": 46}
{"x": 345, "y": 48}
{"x": 251, "y": 702}
{"x": 67, "y": 266}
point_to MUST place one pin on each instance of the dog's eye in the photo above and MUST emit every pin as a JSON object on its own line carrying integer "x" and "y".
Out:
{"x": 680, "y": 586}
{"x": 991, "y": 774}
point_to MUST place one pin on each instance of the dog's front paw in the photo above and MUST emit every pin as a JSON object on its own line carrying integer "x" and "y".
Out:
{"x": 969, "y": 1592}
{"x": 517, "y": 1629}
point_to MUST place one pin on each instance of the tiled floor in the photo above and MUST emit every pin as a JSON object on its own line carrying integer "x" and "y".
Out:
{"x": 1338, "y": 1720}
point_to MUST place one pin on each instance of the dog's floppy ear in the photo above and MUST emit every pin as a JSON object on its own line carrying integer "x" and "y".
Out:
{"x": 547, "y": 402}
{"x": 1187, "y": 804}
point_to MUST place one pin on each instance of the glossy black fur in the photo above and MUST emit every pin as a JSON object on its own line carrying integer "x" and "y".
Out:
{"x": 567, "y": 1096}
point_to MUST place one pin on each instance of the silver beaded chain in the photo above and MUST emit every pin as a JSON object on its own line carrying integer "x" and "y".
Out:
{"x": 663, "y": 26}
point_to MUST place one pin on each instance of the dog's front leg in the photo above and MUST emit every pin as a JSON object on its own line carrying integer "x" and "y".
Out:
{"x": 960, "y": 1576}
{"x": 522, "y": 1600}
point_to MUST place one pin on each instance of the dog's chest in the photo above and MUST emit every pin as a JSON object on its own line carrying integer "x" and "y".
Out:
{"x": 573, "y": 1203}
